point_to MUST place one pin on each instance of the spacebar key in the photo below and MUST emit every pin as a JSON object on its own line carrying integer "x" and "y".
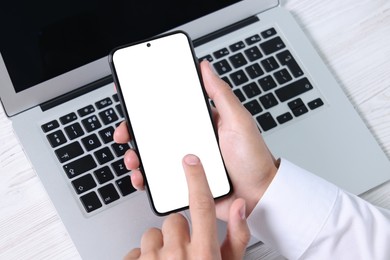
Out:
{"x": 294, "y": 89}
{"x": 79, "y": 166}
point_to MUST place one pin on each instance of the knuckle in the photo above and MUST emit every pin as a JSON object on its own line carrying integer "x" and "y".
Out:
{"x": 177, "y": 253}
{"x": 205, "y": 253}
{"x": 203, "y": 203}
{"x": 243, "y": 239}
{"x": 175, "y": 219}
{"x": 151, "y": 232}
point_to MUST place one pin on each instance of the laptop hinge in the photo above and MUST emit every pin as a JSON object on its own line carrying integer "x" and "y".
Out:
{"x": 225, "y": 30}
{"x": 76, "y": 93}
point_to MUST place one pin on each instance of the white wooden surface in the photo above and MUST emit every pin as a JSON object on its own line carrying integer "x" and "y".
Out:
{"x": 353, "y": 37}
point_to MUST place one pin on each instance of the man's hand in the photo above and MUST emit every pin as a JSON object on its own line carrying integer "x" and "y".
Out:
{"x": 174, "y": 240}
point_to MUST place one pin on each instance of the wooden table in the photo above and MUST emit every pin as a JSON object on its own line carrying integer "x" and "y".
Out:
{"x": 353, "y": 37}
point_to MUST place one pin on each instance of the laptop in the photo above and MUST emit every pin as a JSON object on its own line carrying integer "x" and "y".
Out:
{"x": 57, "y": 89}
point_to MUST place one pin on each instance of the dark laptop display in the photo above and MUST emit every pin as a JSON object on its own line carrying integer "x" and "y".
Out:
{"x": 43, "y": 39}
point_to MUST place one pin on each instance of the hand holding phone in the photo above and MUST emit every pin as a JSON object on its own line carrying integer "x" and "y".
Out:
{"x": 168, "y": 116}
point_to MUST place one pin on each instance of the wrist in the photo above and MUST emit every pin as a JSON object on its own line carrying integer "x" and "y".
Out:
{"x": 255, "y": 196}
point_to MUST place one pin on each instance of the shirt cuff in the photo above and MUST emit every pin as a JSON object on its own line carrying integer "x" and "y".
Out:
{"x": 293, "y": 210}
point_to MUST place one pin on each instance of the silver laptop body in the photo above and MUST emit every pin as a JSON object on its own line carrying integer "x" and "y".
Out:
{"x": 331, "y": 140}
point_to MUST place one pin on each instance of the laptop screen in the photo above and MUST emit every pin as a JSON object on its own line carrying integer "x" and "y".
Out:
{"x": 43, "y": 39}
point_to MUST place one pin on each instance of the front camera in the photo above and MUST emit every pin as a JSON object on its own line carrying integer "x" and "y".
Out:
{"x": 148, "y": 44}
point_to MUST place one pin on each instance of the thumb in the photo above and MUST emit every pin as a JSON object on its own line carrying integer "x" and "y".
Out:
{"x": 220, "y": 92}
{"x": 238, "y": 234}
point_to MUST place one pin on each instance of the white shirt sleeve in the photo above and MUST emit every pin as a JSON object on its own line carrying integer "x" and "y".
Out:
{"x": 305, "y": 217}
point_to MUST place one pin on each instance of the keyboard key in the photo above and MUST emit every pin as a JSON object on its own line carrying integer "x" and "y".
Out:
{"x": 120, "y": 149}
{"x": 108, "y": 116}
{"x": 272, "y": 45}
{"x": 86, "y": 110}
{"x": 125, "y": 186}
{"x": 90, "y": 201}
{"x": 107, "y": 134}
{"x": 253, "y": 107}
{"x": 208, "y": 57}
{"x": 226, "y": 79}
{"x": 84, "y": 184}
{"x": 103, "y": 103}
{"x": 91, "y": 142}
{"x": 293, "y": 89}
{"x": 91, "y": 123}
{"x": 73, "y": 131}
{"x": 298, "y": 107}
{"x": 251, "y": 90}
{"x": 68, "y": 118}
{"x": 108, "y": 193}
{"x": 315, "y": 103}
{"x": 239, "y": 94}
{"x": 282, "y": 76}
{"x": 103, "y": 175}
{"x": 270, "y": 64}
{"x": 120, "y": 110}
{"x": 237, "y": 46}
{"x": 300, "y": 110}
{"x": 56, "y": 138}
{"x": 50, "y": 126}
{"x": 238, "y": 60}
{"x": 266, "y": 121}
{"x": 267, "y": 83}
{"x": 119, "y": 167}
{"x": 221, "y": 53}
{"x": 254, "y": 71}
{"x": 239, "y": 77}
{"x": 283, "y": 118}
{"x": 285, "y": 58}
{"x": 268, "y": 100}
{"x": 115, "y": 97}
{"x": 295, "y": 103}
{"x": 253, "y": 39}
{"x": 79, "y": 166}
{"x": 222, "y": 67}
{"x": 104, "y": 155}
{"x": 69, "y": 152}
{"x": 268, "y": 33}
{"x": 253, "y": 53}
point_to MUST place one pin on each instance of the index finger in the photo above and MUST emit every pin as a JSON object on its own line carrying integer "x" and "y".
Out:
{"x": 202, "y": 206}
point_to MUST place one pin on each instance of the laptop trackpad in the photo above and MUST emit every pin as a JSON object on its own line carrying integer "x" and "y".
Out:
{"x": 222, "y": 228}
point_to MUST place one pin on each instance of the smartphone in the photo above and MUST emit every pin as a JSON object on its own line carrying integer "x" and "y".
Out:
{"x": 168, "y": 114}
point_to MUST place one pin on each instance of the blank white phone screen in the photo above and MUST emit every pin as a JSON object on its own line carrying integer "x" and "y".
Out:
{"x": 169, "y": 118}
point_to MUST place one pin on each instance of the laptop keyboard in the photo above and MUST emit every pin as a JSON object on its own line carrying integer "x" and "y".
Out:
{"x": 264, "y": 74}
{"x": 91, "y": 160}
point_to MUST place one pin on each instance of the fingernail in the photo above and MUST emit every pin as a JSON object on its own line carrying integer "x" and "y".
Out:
{"x": 191, "y": 159}
{"x": 242, "y": 212}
